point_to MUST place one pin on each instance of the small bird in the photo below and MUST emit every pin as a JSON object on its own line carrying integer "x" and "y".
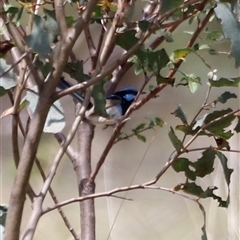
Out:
{"x": 116, "y": 106}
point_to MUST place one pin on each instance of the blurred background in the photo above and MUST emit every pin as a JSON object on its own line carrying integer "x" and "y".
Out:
{"x": 150, "y": 214}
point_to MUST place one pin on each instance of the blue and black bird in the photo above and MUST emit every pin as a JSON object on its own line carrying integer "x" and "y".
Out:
{"x": 116, "y": 106}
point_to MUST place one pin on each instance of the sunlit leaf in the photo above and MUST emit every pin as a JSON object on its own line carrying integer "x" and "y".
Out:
{"x": 181, "y": 54}
{"x": 204, "y": 46}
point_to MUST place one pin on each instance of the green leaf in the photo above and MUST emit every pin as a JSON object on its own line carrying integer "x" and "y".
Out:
{"x": 222, "y": 143}
{"x": 3, "y": 214}
{"x": 174, "y": 140}
{"x": 227, "y": 171}
{"x": 181, "y": 54}
{"x": 193, "y": 189}
{"x": 218, "y": 127}
{"x": 2, "y": 91}
{"x": 75, "y": 70}
{"x": 8, "y": 8}
{"x": 204, "y": 236}
{"x": 45, "y": 68}
{"x": 39, "y": 40}
{"x": 189, "y": 131}
{"x": 226, "y": 96}
{"x": 141, "y": 138}
{"x": 227, "y": 174}
{"x": 70, "y": 21}
{"x": 183, "y": 165}
{"x": 180, "y": 114}
{"x": 127, "y": 39}
{"x": 139, "y": 127}
{"x": 231, "y": 29}
{"x": 144, "y": 25}
{"x": 161, "y": 79}
{"x": 99, "y": 97}
{"x": 156, "y": 122}
{"x": 170, "y": 5}
{"x": 8, "y": 80}
{"x": 204, "y": 165}
{"x": 98, "y": 13}
{"x": 214, "y": 35}
{"x": 152, "y": 61}
{"x": 191, "y": 81}
{"x": 237, "y": 128}
{"x": 190, "y": 188}
{"x": 225, "y": 82}
{"x": 55, "y": 119}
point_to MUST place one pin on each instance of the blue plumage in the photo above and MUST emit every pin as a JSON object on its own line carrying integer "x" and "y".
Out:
{"x": 117, "y": 103}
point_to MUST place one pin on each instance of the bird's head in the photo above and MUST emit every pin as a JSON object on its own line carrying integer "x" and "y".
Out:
{"x": 124, "y": 97}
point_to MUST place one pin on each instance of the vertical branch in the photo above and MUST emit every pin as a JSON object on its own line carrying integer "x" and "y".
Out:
{"x": 83, "y": 170}
{"x": 17, "y": 197}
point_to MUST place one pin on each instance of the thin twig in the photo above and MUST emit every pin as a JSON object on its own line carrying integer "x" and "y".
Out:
{"x": 91, "y": 47}
{"x": 14, "y": 64}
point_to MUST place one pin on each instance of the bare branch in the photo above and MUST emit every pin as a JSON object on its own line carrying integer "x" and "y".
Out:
{"x": 60, "y": 16}
{"x": 39, "y": 200}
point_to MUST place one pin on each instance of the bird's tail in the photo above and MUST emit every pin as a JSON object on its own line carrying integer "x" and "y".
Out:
{"x": 63, "y": 84}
